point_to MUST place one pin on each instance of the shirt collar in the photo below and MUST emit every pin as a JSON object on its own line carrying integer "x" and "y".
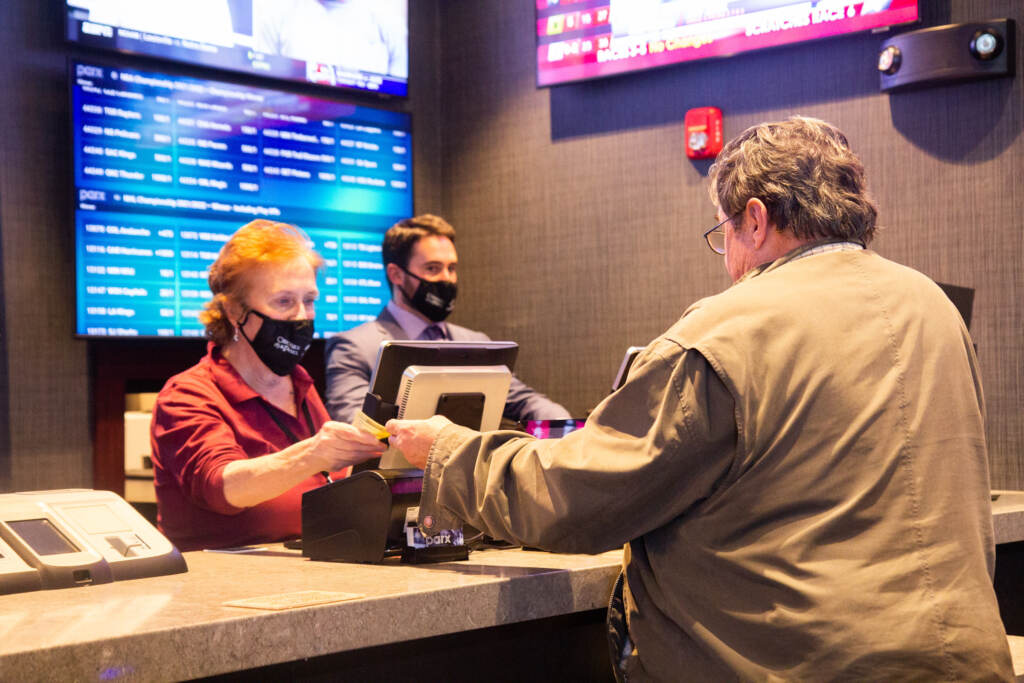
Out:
{"x": 800, "y": 252}
{"x": 235, "y": 388}
{"x": 411, "y": 324}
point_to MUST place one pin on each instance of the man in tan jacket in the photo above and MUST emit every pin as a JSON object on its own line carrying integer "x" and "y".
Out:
{"x": 797, "y": 467}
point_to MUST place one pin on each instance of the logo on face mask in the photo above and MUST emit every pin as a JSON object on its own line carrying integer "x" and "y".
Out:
{"x": 279, "y": 344}
{"x": 435, "y": 299}
{"x": 282, "y": 344}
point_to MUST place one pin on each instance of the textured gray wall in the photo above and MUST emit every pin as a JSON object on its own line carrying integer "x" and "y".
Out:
{"x": 424, "y": 103}
{"x": 580, "y": 217}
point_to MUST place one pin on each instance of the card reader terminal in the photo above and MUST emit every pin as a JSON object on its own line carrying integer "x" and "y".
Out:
{"x": 76, "y": 537}
{"x": 16, "y": 575}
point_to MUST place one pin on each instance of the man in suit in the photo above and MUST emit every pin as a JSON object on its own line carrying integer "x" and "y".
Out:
{"x": 420, "y": 263}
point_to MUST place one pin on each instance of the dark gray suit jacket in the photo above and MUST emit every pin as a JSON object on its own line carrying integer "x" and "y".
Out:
{"x": 351, "y": 355}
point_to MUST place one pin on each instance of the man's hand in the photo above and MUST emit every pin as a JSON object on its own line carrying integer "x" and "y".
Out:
{"x": 415, "y": 437}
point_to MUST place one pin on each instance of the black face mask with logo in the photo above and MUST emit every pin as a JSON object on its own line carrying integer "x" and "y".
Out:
{"x": 280, "y": 344}
{"x": 433, "y": 298}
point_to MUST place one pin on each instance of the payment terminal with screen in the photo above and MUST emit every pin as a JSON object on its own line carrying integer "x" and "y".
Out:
{"x": 77, "y": 537}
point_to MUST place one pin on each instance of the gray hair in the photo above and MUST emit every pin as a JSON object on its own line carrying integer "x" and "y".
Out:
{"x": 805, "y": 173}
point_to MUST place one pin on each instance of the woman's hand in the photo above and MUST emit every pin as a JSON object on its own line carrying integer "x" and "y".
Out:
{"x": 251, "y": 481}
{"x": 415, "y": 437}
{"x": 338, "y": 445}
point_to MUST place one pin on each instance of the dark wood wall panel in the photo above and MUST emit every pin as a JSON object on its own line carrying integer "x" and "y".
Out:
{"x": 580, "y": 217}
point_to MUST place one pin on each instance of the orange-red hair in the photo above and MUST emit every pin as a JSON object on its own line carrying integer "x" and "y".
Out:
{"x": 254, "y": 246}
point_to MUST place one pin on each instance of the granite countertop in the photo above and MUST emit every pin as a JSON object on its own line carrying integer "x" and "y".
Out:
{"x": 1008, "y": 516}
{"x": 177, "y": 627}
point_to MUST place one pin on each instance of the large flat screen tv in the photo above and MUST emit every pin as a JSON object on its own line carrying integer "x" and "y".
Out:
{"x": 582, "y": 39}
{"x": 361, "y": 44}
{"x": 167, "y": 167}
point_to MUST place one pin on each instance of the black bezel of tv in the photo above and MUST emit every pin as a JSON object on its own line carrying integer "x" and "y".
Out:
{"x": 238, "y": 60}
{"x": 177, "y": 70}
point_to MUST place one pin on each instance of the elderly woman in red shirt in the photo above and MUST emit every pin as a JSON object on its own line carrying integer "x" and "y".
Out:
{"x": 239, "y": 437}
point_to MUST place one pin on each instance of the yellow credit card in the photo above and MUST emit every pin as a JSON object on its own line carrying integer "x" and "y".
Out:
{"x": 368, "y": 424}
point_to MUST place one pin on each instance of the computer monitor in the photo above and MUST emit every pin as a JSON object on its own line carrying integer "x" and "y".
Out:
{"x": 627, "y": 362}
{"x": 394, "y": 356}
{"x": 962, "y": 298}
{"x": 472, "y": 395}
{"x": 467, "y": 382}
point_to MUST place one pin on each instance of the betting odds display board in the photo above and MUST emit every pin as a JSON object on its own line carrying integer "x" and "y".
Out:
{"x": 168, "y": 167}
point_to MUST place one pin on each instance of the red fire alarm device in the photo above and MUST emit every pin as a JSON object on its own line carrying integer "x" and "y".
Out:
{"x": 703, "y": 132}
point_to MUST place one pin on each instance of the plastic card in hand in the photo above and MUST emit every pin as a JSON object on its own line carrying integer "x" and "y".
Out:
{"x": 369, "y": 425}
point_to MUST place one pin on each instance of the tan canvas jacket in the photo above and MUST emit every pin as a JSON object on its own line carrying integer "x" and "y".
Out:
{"x": 798, "y": 471}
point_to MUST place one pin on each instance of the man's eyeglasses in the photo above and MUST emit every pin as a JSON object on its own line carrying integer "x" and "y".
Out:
{"x": 715, "y": 237}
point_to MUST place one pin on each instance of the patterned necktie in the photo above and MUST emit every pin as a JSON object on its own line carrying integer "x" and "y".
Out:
{"x": 432, "y": 332}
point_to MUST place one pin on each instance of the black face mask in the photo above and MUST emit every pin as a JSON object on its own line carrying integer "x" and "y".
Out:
{"x": 280, "y": 344}
{"x": 434, "y": 299}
